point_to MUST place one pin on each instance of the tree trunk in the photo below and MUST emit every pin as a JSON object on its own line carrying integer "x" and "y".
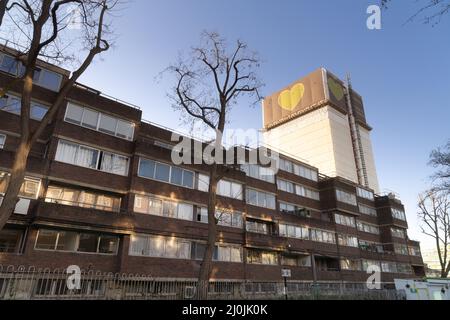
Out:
{"x": 206, "y": 266}
{"x": 3, "y": 4}
{"x": 15, "y": 183}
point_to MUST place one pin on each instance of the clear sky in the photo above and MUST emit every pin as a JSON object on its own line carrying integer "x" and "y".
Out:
{"x": 402, "y": 71}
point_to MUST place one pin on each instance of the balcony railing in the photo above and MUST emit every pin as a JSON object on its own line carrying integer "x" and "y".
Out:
{"x": 84, "y": 205}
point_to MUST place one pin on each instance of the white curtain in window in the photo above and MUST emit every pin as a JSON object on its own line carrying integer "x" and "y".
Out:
{"x": 114, "y": 163}
{"x": 185, "y": 211}
{"x": 66, "y": 152}
{"x": 86, "y": 157}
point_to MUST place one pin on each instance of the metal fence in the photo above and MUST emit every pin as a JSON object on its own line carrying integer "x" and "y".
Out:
{"x": 20, "y": 283}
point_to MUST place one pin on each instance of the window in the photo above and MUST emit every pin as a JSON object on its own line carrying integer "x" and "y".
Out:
{"x": 401, "y": 249}
{"x": 226, "y": 218}
{"x": 68, "y": 241}
{"x": 98, "y": 121}
{"x": 260, "y": 199}
{"x": 285, "y": 186}
{"x": 398, "y": 214}
{"x": 47, "y": 79}
{"x": 107, "y": 124}
{"x": 291, "y": 231}
{"x": 30, "y": 187}
{"x": 404, "y": 268}
{"x": 257, "y": 227}
{"x": 346, "y": 197}
{"x": 345, "y": 220}
{"x": 302, "y": 191}
{"x": 367, "y": 210}
{"x": 366, "y": 264}
{"x": 161, "y": 207}
{"x": 8, "y": 64}
{"x": 351, "y": 264}
{"x": 262, "y": 257}
{"x": 80, "y": 198}
{"x": 2, "y": 141}
{"x": 41, "y": 77}
{"x": 398, "y": 233}
{"x": 323, "y": 236}
{"x": 293, "y": 209}
{"x": 307, "y": 192}
{"x": 12, "y": 104}
{"x": 203, "y": 182}
{"x": 164, "y": 247}
{"x": 414, "y": 251}
{"x": 296, "y": 261}
{"x": 258, "y": 172}
{"x": 75, "y": 154}
{"x": 347, "y": 241}
{"x": 163, "y": 172}
{"x": 363, "y": 193}
{"x": 114, "y": 163}
{"x": 370, "y": 246}
{"x": 229, "y": 189}
{"x": 368, "y": 228}
{"x": 388, "y": 267}
{"x": 222, "y": 252}
{"x": 299, "y": 170}
{"x": 10, "y": 240}
{"x": 226, "y": 253}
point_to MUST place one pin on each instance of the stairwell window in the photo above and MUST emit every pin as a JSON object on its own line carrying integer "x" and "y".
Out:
{"x": 88, "y": 157}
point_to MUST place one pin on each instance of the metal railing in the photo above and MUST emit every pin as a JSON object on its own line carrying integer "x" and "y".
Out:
{"x": 30, "y": 283}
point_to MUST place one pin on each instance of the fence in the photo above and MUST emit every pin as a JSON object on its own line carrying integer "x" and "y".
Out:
{"x": 20, "y": 283}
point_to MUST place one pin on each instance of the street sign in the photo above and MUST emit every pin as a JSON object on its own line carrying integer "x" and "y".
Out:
{"x": 286, "y": 273}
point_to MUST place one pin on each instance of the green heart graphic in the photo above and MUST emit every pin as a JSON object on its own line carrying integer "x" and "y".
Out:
{"x": 336, "y": 89}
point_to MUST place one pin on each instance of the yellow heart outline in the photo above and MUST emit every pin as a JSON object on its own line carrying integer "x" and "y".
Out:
{"x": 290, "y": 98}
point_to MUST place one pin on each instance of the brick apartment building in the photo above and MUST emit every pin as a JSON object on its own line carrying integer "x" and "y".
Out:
{"x": 101, "y": 192}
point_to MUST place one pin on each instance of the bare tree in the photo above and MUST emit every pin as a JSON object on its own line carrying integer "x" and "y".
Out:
{"x": 208, "y": 84}
{"x": 440, "y": 159}
{"x": 39, "y": 26}
{"x": 430, "y": 11}
{"x": 434, "y": 214}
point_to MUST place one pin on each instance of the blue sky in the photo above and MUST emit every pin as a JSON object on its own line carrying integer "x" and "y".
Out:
{"x": 402, "y": 71}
